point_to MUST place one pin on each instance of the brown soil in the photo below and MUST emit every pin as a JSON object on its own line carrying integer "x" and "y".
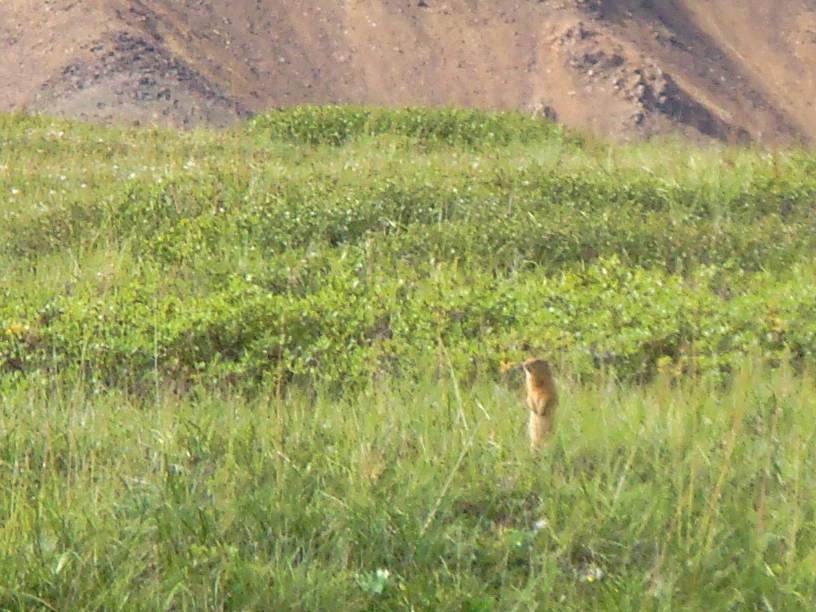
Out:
{"x": 735, "y": 70}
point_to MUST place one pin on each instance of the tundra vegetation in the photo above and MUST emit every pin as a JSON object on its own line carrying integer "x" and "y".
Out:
{"x": 259, "y": 368}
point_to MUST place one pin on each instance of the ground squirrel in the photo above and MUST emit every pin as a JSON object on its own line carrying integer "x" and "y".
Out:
{"x": 542, "y": 399}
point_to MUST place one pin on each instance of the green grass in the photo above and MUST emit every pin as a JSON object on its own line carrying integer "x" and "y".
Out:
{"x": 259, "y": 369}
{"x": 677, "y": 497}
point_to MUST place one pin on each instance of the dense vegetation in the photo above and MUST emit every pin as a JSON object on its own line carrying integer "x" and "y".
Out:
{"x": 259, "y": 368}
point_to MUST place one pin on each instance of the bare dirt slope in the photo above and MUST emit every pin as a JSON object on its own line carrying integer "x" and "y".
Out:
{"x": 730, "y": 69}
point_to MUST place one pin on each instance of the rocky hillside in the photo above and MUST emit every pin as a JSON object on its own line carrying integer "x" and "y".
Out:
{"x": 735, "y": 70}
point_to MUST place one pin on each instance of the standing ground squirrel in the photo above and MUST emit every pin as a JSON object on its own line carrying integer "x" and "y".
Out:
{"x": 542, "y": 399}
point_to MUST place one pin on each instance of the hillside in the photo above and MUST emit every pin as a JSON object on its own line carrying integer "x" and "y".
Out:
{"x": 735, "y": 70}
{"x": 260, "y": 368}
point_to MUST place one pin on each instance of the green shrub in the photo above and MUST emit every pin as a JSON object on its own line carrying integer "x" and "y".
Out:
{"x": 337, "y": 125}
{"x": 134, "y": 257}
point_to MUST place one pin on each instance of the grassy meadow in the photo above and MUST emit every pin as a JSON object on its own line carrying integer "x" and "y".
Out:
{"x": 260, "y": 368}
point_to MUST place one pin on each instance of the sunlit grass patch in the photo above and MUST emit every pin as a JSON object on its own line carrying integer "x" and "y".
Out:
{"x": 661, "y": 493}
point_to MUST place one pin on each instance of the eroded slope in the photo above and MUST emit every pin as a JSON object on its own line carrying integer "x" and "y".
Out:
{"x": 729, "y": 69}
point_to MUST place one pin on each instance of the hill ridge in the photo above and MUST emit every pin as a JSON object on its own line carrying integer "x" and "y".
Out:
{"x": 733, "y": 70}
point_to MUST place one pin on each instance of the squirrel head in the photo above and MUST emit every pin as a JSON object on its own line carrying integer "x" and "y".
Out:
{"x": 537, "y": 369}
